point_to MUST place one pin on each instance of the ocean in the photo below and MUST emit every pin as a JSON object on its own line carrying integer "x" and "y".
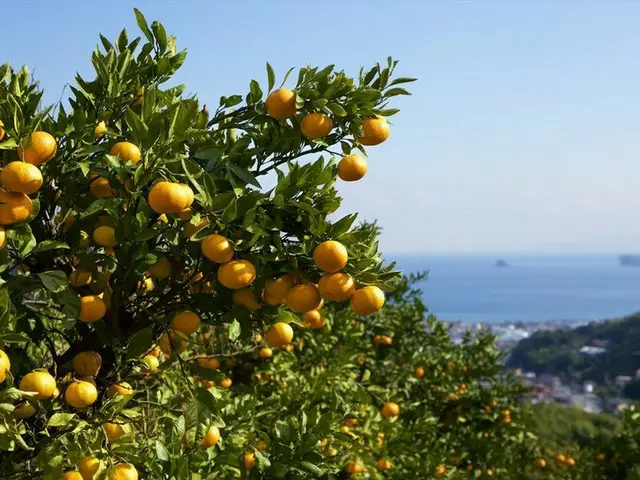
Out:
{"x": 533, "y": 288}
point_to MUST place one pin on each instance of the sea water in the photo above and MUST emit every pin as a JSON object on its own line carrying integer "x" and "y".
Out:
{"x": 533, "y": 288}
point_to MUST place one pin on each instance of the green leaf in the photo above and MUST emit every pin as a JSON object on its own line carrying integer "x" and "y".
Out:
{"x": 54, "y": 280}
{"x": 161, "y": 36}
{"x": 230, "y": 212}
{"x": 9, "y": 144}
{"x": 14, "y": 337}
{"x": 271, "y": 76}
{"x": 60, "y": 419}
{"x": 337, "y": 109}
{"x": 21, "y": 239}
{"x": 161, "y": 452}
{"x": 98, "y": 206}
{"x": 396, "y": 91}
{"x": 400, "y": 80}
{"x": 142, "y": 23}
{"x": 243, "y": 175}
{"x": 139, "y": 343}
{"x": 49, "y": 245}
{"x": 310, "y": 468}
{"x": 234, "y": 330}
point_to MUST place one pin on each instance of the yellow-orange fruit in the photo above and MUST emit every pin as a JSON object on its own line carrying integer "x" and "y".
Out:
{"x": 376, "y": 131}
{"x": 281, "y": 104}
{"x": 105, "y": 236}
{"x": 367, "y": 300}
{"x": 79, "y": 278}
{"x": 316, "y": 125}
{"x": 313, "y": 319}
{"x": 123, "y": 471}
{"x": 87, "y": 364}
{"x": 21, "y": 177}
{"x": 186, "y": 322}
{"x": 38, "y": 381}
{"x": 169, "y": 197}
{"x": 89, "y": 467}
{"x": 100, "y": 129}
{"x": 15, "y": 207}
{"x": 237, "y": 274}
{"x": 101, "y": 188}
{"x": 330, "y": 256}
{"x": 245, "y": 298}
{"x": 217, "y": 248}
{"x": 92, "y": 308}
{"x": 122, "y": 388}
{"x": 279, "y": 334}
{"x": 126, "y": 151}
{"x": 38, "y": 148}
{"x": 303, "y": 298}
{"x": 336, "y": 286}
{"x": 248, "y": 460}
{"x": 81, "y": 394}
{"x": 390, "y": 409}
{"x": 211, "y": 438}
{"x": 352, "y": 168}
{"x": 113, "y": 431}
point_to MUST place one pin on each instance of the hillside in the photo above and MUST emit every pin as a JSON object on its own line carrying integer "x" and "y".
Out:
{"x": 558, "y": 352}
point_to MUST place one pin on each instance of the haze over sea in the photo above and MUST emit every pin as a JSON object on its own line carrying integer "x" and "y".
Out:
{"x": 534, "y": 288}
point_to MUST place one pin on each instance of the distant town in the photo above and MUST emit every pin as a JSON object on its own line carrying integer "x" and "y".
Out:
{"x": 545, "y": 387}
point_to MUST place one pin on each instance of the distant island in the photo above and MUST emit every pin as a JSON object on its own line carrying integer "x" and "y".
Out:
{"x": 501, "y": 263}
{"x": 629, "y": 260}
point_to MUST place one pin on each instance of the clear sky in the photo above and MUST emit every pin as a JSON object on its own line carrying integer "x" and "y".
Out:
{"x": 522, "y": 134}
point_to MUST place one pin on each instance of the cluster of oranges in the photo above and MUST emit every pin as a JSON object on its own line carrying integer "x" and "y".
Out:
{"x": 281, "y": 105}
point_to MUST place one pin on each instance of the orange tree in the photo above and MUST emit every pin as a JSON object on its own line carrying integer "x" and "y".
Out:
{"x": 161, "y": 312}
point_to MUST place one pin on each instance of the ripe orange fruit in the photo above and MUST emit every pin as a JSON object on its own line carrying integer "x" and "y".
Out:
{"x": 113, "y": 431}
{"x": 560, "y": 459}
{"x": 265, "y": 352}
{"x": 123, "y": 471}
{"x": 71, "y": 475}
{"x": 3, "y": 237}
{"x": 313, "y": 319}
{"x": 278, "y": 288}
{"x": 87, "y": 364}
{"x": 38, "y": 381}
{"x": 440, "y": 470}
{"x": 367, "y": 300}
{"x": 89, "y": 466}
{"x": 151, "y": 362}
{"x": 1, "y": 130}
{"x": 600, "y": 457}
{"x": 25, "y": 410}
{"x": 226, "y": 383}
{"x": 38, "y": 148}
{"x": 15, "y": 207}
{"x": 541, "y": 462}
{"x": 390, "y": 409}
{"x": 5, "y": 365}
{"x": 337, "y": 286}
{"x": 383, "y": 464}
{"x": 261, "y": 445}
{"x": 303, "y": 298}
{"x": 571, "y": 462}
{"x": 355, "y": 467}
{"x": 352, "y": 168}
{"x": 376, "y": 131}
{"x": 316, "y": 125}
{"x": 190, "y": 229}
{"x": 80, "y": 277}
{"x": 176, "y": 343}
{"x": 330, "y": 256}
{"x": 419, "y": 372}
{"x": 186, "y": 322}
{"x": 161, "y": 269}
{"x": 245, "y": 298}
{"x": 92, "y": 308}
{"x": 126, "y": 151}
{"x": 279, "y": 334}
{"x": 122, "y": 388}
{"x": 281, "y": 104}
{"x": 237, "y": 274}
{"x": 100, "y": 188}
{"x": 217, "y": 248}
{"x": 210, "y": 438}
{"x": 169, "y": 197}
{"x": 21, "y": 177}
{"x": 81, "y": 394}
{"x": 105, "y": 236}
{"x": 248, "y": 460}
{"x": 100, "y": 130}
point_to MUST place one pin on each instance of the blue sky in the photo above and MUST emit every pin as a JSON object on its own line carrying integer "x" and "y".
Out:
{"x": 521, "y": 136}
